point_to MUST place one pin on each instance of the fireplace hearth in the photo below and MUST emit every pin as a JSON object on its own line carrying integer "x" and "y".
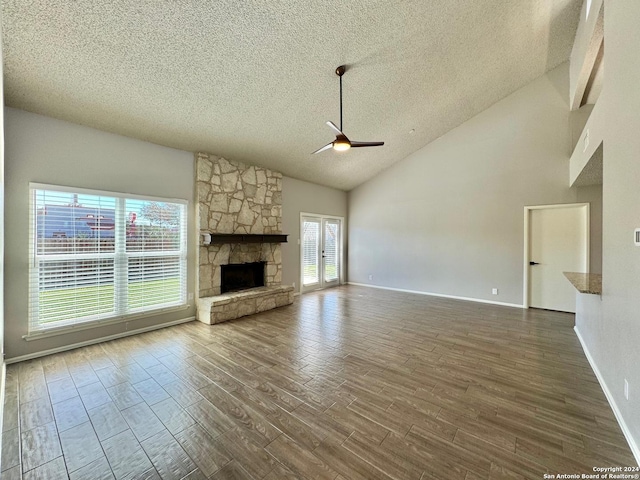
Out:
{"x": 241, "y": 276}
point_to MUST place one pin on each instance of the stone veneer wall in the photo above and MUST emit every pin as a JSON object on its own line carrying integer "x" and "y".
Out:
{"x": 236, "y": 198}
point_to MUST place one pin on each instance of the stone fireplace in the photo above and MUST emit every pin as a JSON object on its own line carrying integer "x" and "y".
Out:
{"x": 234, "y": 198}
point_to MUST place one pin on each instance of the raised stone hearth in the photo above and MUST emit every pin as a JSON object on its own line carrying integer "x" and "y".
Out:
{"x": 230, "y": 306}
{"x": 234, "y": 198}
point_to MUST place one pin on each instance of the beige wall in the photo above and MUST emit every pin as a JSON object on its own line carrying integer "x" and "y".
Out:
{"x": 45, "y": 150}
{"x": 613, "y": 340}
{"x": 578, "y": 120}
{"x": 449, "y": 218}
{"x": 299, "y": 196}
{"x": 595, "y": 127}
{"x": 593, "y": 195}
{"x": 2, "y": 346}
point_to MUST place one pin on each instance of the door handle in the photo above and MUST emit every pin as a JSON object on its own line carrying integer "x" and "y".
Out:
{"x": 534, "y": 263}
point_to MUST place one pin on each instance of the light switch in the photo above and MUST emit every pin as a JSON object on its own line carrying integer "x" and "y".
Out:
{"x": 586, "y": 141}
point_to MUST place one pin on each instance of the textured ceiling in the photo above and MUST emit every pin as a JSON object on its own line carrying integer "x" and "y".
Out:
{"x": 254, "y": 80}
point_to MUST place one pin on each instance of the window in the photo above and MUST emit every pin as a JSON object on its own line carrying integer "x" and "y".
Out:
{"x": 98, "y": 256}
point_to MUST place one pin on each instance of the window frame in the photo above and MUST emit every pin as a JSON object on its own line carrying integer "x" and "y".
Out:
{"x": 121, "y": 311}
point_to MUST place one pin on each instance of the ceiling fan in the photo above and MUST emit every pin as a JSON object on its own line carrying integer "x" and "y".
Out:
{"x": 342, "y": 143}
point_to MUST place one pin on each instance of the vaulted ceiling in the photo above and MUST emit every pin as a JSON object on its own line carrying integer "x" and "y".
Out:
{"x": 254, "y": 80}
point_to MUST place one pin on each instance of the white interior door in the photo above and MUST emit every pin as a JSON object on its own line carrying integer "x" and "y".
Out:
{"x": 321, "y": 252}
{"x": 558, "y": 242}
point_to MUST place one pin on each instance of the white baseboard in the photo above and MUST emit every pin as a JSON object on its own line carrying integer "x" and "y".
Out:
{"x": 625, "y": 430}
{"x": 64, "y": 348}
{"x": 454, "y": 297}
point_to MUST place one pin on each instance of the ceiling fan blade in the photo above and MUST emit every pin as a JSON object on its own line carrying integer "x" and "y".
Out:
{"x": 333, "y": 127}
{"x": 366, "y": 144}
{"x": 322, "y": 149}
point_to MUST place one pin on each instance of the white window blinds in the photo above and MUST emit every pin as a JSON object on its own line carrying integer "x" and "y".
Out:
{"x": 310, "y": 247}
{"x": 331, "y": 250}
{"x": 98, "y": 256}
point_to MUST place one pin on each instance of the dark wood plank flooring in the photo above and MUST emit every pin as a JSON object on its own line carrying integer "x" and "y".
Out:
{"x": 347, "y": 383}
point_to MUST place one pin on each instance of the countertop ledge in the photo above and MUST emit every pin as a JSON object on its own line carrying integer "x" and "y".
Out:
{"x": 586, "y": 282}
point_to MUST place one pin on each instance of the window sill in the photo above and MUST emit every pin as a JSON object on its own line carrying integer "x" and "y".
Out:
{"x": 55, "y": 331}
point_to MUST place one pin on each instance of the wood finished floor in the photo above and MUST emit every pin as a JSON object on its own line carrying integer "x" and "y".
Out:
{"x": 348, "y": 383}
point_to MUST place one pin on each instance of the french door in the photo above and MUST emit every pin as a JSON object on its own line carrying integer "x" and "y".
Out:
{"x": 321, "y": 251}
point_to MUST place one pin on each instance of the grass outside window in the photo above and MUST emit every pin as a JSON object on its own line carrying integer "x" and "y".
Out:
{"x": 100, "y": 299}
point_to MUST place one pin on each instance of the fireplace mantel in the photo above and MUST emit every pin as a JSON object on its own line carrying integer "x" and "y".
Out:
{"x": 222, "y": 238}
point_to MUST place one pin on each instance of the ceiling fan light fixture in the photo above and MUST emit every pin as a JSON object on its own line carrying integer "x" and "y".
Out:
{"x": 341, "y": 145}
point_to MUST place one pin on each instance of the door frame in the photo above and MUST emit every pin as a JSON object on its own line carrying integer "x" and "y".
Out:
{"x": 527, "y": 240}
{"x": 321, "y": 217}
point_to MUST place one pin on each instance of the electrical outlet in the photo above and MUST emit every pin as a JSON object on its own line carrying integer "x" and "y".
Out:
{"x": 294, "y": 284}
{"x": 190, "y": 296}
{"x": 494, "y": 291}
{"x": 626, "y": 389}
{"x": 370, "y": 277}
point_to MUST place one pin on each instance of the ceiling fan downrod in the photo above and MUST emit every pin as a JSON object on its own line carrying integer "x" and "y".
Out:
{"x": 340, "y": 71}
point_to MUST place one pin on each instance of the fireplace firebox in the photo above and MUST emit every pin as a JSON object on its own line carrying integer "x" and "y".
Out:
{"x": 241, "y": 276}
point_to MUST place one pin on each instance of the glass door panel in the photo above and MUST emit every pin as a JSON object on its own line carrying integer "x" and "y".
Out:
{"x": 310, "y": 252}
{"x": 331, "y": 250}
